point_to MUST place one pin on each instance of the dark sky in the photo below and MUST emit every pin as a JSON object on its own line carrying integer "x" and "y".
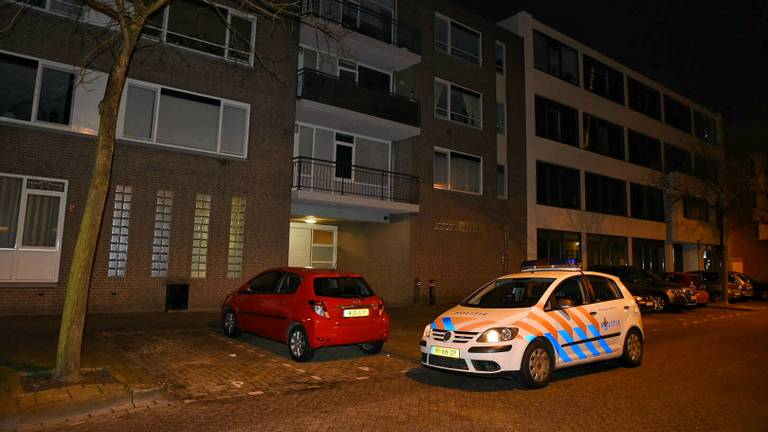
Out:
{"x": 714, "y": 52}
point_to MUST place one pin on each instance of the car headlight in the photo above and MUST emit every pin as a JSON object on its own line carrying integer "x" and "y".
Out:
{"x": 498, "y": 334}
{"x": 427, "y": 332}
{"x": 639, "y": 299}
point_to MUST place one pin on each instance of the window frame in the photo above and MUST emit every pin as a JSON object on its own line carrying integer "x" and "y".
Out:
{"x": 18, "y": 244}
{"x": 503, "y": 68}
{"x": 505, "y": 172}
{"x": 449, "y": 187}
{"x": 157, "y": 89}
{"x": 336, "y": 144}
{"x": 633, "y": 133}
{"x": 612, "y": 285}
{"x": 560, "y": 233}
{"x": 602, "y": 181}
{"x": 449, "y": 45}
{"x": 549, "y": 39}
{"x": 559, "y": 204}
{"x": 41, "y": 65}
{"x": 449, "y": 85}
{"x": 646, "y": 189}
{"x": 585, "y": 299}
{"x": 596, "y": 123}
{"x": 668, "y": 102}
{"x": 548, "y": 105}
{"x": 641, "y": 85}
{"x": 602, "y": 67}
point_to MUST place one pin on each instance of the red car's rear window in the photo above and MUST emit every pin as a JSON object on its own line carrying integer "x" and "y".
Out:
{"x": 342, "y": 287}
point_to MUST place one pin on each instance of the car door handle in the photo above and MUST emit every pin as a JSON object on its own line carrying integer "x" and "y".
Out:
{"x": 593, "y": 313}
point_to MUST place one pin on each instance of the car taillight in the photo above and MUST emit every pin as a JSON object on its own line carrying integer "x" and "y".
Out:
{"x": 381, "y": 308}
{"x": 319, "y": 308}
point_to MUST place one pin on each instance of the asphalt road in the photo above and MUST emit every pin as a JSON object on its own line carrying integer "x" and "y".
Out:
{"x": 703, "y": 369}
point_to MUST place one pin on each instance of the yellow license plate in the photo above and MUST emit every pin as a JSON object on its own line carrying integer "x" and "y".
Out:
{"x": 444, "y": 352}
{"x": 349, "y": 313}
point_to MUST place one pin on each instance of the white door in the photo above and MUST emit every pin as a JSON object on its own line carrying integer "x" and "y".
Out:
{"x": 300, "y": 247}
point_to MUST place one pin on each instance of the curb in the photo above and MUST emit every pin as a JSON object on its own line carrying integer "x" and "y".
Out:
{"x": 733, "y": 307}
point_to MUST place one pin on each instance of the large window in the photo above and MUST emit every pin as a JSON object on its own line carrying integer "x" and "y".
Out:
{"x": 606, "y": 195}
{"x": 118, "y": 240}
{"x": 558, "y": 245}
{"x": 555, "y": 58}
{"x": 51, "y": 103}
{"x": 647, "y": 202}
{"x": 557, "y": 186}
{"x": 695, "y": 208}
{"x": 501, "y": 57}
{"x": 604, "y": 137}
{"x": 705, "y": 127}
{"x": 603, "y": 80}
{"x": 677, "y": 159}
{"x": 202, "y": 27}
{"x": 556, "y": 121}
{"x": 649, "y": 254}
{"x": 606, "y": 250}
{"x": 457, "y": 40}
{"x": 501, "y": 118}
{"x": 345, "y": 69}
{"x": 236, "y": 238}
{"x": 457, "y": 171}
{"x": 644, "y": 150}
{"x": 677, "y": 114}
{"x": 185, "y": 120}
{"x": 201, "y": 221}
{"x": 161, "y": 240}
{"x": 644, "y": 99}
{"x": 458, "y": 104}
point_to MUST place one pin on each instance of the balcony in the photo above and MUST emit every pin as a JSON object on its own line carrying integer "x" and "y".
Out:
{"x": 326, "y": 100}
{"x": 371, "y": 37}
{"x": 342, "y": 191}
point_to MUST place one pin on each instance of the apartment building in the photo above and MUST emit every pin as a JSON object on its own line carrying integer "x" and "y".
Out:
{"x": 201, "y": 181}
{"x": 602, "y": 143}
{"x": 748, "y": 224}
{"x": 408, "y": 146}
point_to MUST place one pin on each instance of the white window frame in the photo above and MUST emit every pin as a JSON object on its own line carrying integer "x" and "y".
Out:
{"x": 155, "y": 117}
{"x": 503, "y": 131}
{"x": 302, "y": 65}
{"x": 450, "y": 47}
{"x": 18, "y": 243}
{"x": 45, "y": 64}
{"x": 336, "y": 144}
{"x": 450, "y": 86}
{"x": 504, "y": 57}
{"x": 505, "y": 195}
{"x": 448, "y": 153}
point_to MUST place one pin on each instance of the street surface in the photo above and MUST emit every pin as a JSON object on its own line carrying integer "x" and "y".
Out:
{"x": 704, "y": 369}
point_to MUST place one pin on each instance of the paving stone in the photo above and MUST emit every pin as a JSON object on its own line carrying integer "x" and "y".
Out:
{"x": 51, "y": 396}
{"x": 26, "y": 400}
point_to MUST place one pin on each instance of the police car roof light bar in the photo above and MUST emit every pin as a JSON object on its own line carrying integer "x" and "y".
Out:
{"x": 569, "y": 264}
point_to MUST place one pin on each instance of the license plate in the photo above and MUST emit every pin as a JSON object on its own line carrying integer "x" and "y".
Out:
{"x": 444, "y": 352}
{"x": 349, "y": 313}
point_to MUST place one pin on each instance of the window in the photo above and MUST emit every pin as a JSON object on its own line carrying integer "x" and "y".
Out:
{"x": 290, "y": 284}
{"x": 706, "y": 167}
{"x": 501, "y": 118}
{"x": 606, "y": 195}
{"x": 644, "y": 99}
{"x": 695, "y": 208}
{"x": 458, "y": 104}
{"x": 345, "y": 69}
{"x": 569, "y": 293}
{"x": 202, "y": 27}
{"x": 457, "y": 171}
{"x": 118, "y": 241}
{"x": 677, "y": 159}
{"x": 705, "y": 127}
{"x": 604, "y": 137}
{"x": 323, "y": 248}
{"x": 68, "y": 8}
{"x": 644, "y": 150}
{"x": 185, "y": 120}
{"x": 457, "y": 40}
{"x": 265, "y": 283}
{"x": 557, "y": 186}
{"x": 51, "y": 103}
{"x": 555, "y": 58}
{"x": 236, "y": 238}
{"x": 501, "y": 57}
{"x": 342, "y": 287}
{"x": 200, "y": 236}
{"x": 161, "y": 241}
{"x": 558, "y": 245}
{"x": 647, "y": 202}
{"x": 649, "y": 255}
{"x": 556, "y": 121}
{"x": 509, "y": 293}
{"x": 603, "y": 80}
{"x": 348, "y": 70}
{"x": 344, "y": 155}
{"x": 603, "y": 289}
{"x": 501, "y": 181}
{"x": 677, "y": 114}
{"x": 607, "y": 250}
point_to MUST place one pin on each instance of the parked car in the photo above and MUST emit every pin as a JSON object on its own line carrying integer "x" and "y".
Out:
{"x": 711, "y": 282}
{"x": 686, "y": 280}
{"x": 641, "y": 282}
{"x": 742, "y": 284}
{"x": 531, "y": 323}
{"x": 760, "y": 288}
{"x": 308, "y": 309}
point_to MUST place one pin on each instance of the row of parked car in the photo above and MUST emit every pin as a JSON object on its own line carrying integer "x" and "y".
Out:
{"x": 680, "y": 289}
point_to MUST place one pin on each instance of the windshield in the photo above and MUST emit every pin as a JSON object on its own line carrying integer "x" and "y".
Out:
{"x": 342, "y": 287}
{"x": 509, "y": 293}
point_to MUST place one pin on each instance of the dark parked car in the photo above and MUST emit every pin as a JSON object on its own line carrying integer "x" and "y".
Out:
{"x": 640, "y": 282}
{"x": 711, "y": 281}
{"x": 760, "y": 288}
{"x": 687, "y": 280}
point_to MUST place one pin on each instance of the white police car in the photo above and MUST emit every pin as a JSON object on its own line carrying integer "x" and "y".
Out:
{"x": 528, "y": 324}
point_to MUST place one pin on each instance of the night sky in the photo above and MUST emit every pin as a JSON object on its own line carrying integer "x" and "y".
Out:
{"x": 713, "y": 52}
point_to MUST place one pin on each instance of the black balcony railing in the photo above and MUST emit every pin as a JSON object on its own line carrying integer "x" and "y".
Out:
{"x": 332, "y": 90}
{"x": 343, "y": 179}
{"x": 377, "y": 25}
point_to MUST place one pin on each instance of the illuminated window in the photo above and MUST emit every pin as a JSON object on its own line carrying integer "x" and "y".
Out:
{"x": 118, "y": 243}
{"x": 236, "y": 232}
{"x": 161, "y": 241}
{"x": 200, "y": 236}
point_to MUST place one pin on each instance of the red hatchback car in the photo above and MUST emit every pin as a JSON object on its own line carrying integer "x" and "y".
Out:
{"x": 308, "y": 309}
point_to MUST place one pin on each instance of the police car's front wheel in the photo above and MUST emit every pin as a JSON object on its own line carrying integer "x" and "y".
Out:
{"x": 537, "y": 364}
{"x": 633, "y": 349}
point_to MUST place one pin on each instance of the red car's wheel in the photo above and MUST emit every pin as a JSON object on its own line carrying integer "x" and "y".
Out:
{"x": 298, "y": 345}
{"x": 372, "y": 348}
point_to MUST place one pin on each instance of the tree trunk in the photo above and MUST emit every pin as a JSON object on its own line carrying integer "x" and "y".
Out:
{"x": 78, "y": 284}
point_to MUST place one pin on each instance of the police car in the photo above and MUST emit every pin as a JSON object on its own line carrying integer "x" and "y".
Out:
{"x": 547, "y": 317}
